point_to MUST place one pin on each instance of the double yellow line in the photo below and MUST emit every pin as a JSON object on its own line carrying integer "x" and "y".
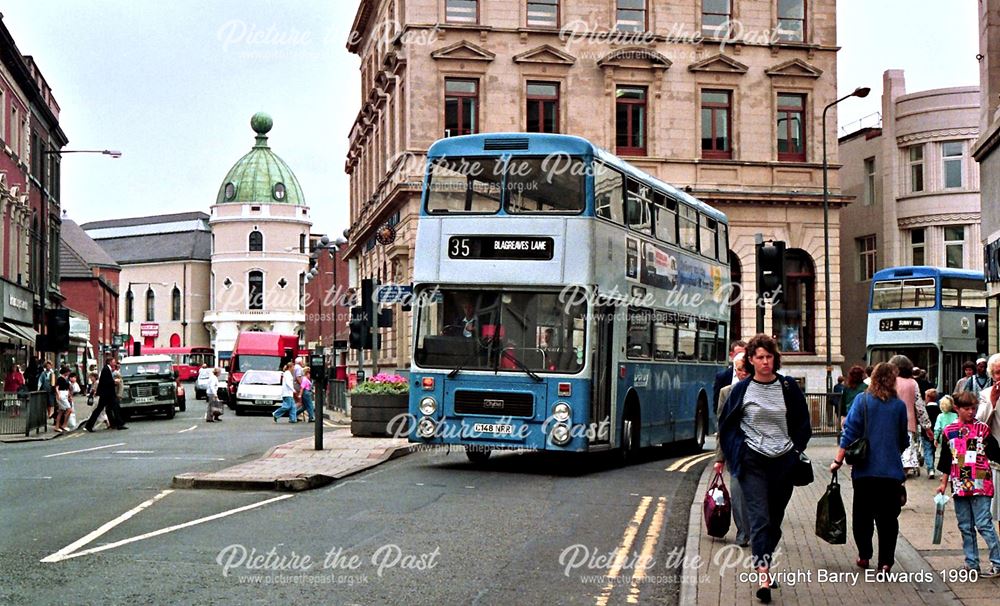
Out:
{"x": 686, "y": 463}
{"x": 625, "y": 550}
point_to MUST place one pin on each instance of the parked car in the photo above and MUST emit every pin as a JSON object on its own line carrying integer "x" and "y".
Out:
{"x": 258, "y": 390}
{"x": 149, "y": 385}
{"x": 201, "y": 384}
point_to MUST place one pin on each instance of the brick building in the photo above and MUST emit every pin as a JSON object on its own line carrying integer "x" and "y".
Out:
{"x": 724, "y": 99}
{"x": 89, "y": 281}
{"x": 30, "y": 140}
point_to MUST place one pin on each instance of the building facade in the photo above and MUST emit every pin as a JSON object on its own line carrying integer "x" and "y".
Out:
{"x": 260, "y": 247}
{"x": 327, "y": 295}
{"x": 164, "y": 280}
{"x": 724, "y": 99}
{"x": 89, "y": 280}
{"x": 30, "y": 141}
{"x": 987, "y": 154}
{"x": 916, "y": 191}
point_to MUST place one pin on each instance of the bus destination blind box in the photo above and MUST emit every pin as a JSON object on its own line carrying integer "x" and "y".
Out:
{"x": 511, "y": 248}
{"x": 894, "y": 324}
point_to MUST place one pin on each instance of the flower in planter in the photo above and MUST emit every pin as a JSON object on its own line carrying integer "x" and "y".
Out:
{"x": 383, "y": 384}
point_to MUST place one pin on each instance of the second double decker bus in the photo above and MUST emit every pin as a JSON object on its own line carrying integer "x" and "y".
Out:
{"x": 932, "y": 315}
{"x": 565, "y": 300}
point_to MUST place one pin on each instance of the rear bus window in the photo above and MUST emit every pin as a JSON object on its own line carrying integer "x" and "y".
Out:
{"x": 465, "y": 185}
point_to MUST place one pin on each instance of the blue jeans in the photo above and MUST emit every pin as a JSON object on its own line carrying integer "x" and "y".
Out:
{"x": 975, "y": 511}
{"x": 928, "y": 453}
{"x": 287, "y": 405}
{"x": 307, "y": 405}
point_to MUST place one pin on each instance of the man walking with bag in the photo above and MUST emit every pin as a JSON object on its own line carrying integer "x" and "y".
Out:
{"x": 107, "y": 398}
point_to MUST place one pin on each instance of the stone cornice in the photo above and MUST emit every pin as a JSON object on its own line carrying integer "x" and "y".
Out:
{"x": 948, "y": 133}
{"x": 940, "y": 219}
{"x": 463, "y": 50}
{"x": 719, "y": 64}
{"x": 795, "y": 68}
{"x": 545, "y": 55}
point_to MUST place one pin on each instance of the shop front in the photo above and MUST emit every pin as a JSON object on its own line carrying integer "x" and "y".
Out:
{"x": 17, "y": 337}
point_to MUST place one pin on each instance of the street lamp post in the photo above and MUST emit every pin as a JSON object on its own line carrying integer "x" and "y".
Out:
{"x": 332, "y": 246}
{"x": 858, "y": 92}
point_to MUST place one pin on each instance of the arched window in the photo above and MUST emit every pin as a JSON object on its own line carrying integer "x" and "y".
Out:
{"x": 175, "y": 305}
{"x": 795, "y": 319}
{"x": 256, "y": 241}
{"x": 150, "y": 305}
{"x": 175, "y": 340}
{"x": 129, "y": 306}
{"x": 736, "y": 302}
{"x": 256, "y": 283}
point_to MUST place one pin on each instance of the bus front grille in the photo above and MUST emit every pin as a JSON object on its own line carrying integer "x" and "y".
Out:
{"x": 493, "y": 403}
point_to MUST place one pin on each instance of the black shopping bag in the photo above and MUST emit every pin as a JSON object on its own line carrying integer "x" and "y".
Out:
{"x": 831, "y": 517}
{"x": 718, "y": 508}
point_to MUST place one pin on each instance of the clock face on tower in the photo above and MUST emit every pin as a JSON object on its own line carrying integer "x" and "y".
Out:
{"x": 279, "y": 191}
{"x": 230, "y": 191}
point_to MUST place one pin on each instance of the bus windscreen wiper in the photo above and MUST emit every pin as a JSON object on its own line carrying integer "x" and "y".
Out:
{"x": 469, "y": 358}
{"x": 520, "y": 365}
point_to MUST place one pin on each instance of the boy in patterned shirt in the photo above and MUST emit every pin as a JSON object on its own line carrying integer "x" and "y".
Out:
{"x": 965, "y": 465}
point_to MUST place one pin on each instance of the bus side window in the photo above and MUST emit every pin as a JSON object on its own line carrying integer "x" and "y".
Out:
{"x": 608, "y": 193}
{"x": 664, "y": 337}
{"x": 686, "y": 338}
{"x": 689, "y": 228}
{"x": 638, "y": 344}
{"x": 708, "y": 239}
{"x": 723, "y": 249}
{"x": 666, "y": 218}
{"x": 637, "y": 208}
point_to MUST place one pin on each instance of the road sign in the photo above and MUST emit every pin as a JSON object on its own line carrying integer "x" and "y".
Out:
{"x": 394, "y": 293}
{"x": 119, "y": 339}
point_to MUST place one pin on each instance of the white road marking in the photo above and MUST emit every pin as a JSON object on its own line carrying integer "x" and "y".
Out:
{"x": 192, "y": 428}
{"x": 59, "y": 454}
{"x": 63, "y": 553}
{"x": 134, "y": 451}
{"x": 169, "y": 529}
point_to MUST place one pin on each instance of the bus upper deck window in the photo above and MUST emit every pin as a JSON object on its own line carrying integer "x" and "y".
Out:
{"x": 545, "y": 185}
{"x": 608, "y": 193}
{"x": 465, "y": 185}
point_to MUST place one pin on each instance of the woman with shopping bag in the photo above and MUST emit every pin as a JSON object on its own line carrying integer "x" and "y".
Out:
{"x": 879, "y": 418}
{"x": 764, "y": 429}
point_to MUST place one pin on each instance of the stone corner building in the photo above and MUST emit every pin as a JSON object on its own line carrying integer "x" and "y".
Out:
{"x": 260, "y": 247}
{"x": 986, "y": 151}
{"x": 731, "y": 114}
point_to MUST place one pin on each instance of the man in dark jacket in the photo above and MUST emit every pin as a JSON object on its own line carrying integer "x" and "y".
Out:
{"x": 107, "y": 399}
{"x": 725, "y": 377}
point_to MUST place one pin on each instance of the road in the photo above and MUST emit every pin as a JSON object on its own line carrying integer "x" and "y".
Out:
{"x": 430, "y": 528}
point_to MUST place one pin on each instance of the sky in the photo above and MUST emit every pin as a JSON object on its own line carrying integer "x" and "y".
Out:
{"x": 173, "y": 85}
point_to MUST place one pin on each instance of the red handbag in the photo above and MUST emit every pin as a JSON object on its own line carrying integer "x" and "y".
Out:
{"x": 718, "y": 508}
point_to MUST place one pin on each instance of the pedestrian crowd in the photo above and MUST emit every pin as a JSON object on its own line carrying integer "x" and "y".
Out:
{"x": 895, "y": 423}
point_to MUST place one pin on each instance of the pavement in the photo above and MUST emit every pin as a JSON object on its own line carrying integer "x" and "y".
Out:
{"x": 815, "y": 570}
{"x": 297, "y": 466}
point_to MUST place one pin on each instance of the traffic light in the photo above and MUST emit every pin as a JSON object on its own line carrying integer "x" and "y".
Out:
{"x": 360, "y": 335}
{"x": 771, "y": 271}
{"x": 57, "y": 330}
{"x": 367, "y": 294}
{"x": 385, "y": 318}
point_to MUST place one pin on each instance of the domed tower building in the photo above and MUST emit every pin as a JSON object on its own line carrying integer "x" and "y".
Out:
{"x": 260, "y": 247}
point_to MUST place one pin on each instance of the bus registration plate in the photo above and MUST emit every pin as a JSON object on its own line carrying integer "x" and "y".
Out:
{"x": 494, "y": 428}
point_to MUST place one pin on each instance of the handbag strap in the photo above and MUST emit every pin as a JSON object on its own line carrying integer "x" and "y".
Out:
{"x": 835, "y": 479}
{"x": 864, "y": 412}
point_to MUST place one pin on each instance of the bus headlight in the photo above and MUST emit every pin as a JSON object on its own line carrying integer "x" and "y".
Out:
{"x": 428, "y": 406}
{"x": 426, "y": 428}
{"x": 561, "y": 435}
{"x": 562, "y": 412}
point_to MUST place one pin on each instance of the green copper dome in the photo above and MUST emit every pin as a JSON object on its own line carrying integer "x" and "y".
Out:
{"x": 261, "y": 176}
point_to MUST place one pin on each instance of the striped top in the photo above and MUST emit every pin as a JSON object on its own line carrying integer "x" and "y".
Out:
{"x": 765, "y": 420}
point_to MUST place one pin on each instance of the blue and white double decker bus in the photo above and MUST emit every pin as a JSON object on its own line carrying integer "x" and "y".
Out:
{"x": 932, "y": 315}
{"x": 565, "y": 300}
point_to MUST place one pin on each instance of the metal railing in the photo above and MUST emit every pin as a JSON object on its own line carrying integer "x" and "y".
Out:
{"x": 22, "y": 412}
{"x": 824, "y": 413}
{"x": 336, "y": 396}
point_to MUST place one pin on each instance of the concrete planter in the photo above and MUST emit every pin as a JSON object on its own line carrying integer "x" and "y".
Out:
{"x": 380, "y": 415}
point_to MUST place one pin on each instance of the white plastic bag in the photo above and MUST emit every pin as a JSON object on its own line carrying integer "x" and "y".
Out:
{"x": 72, "y": 420}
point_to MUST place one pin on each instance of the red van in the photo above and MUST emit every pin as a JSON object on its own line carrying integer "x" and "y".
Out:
{"x": 259, "y": 351}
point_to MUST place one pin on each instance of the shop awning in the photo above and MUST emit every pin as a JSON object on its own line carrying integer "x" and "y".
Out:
{"x": 24, "y": 334}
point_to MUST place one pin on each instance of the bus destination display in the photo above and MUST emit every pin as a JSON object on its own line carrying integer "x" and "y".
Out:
{"x": 896, "y": 324}
{"x": 515, "y": 248}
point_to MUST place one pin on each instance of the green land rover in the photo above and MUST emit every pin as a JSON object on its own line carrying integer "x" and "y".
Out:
{"x": 148, "y": 386}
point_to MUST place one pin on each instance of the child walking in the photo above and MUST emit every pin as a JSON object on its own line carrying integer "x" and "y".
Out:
{"x": 964, "y": 463}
